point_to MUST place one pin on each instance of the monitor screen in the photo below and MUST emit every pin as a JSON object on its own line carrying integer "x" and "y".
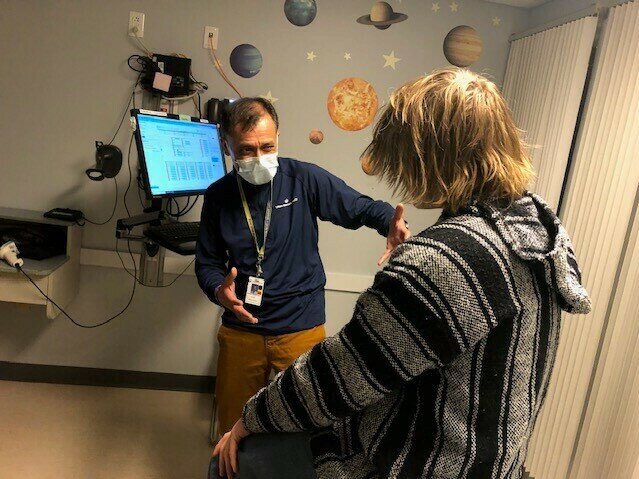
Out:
{"x": 179, "y": 156}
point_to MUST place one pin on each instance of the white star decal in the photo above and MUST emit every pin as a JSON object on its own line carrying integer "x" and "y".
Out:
{"x": 391, "y": 60}
{"x": 310, "y": 56}
{"x": 270, "y": 97}
{"x": 496, "y": 21}
{"x": 347, "y": 56}
{"x": 435, "y": 7}
{"x": 454, "y": 6}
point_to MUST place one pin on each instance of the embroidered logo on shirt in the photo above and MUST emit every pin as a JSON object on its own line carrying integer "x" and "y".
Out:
{"x": 287, "y": 203}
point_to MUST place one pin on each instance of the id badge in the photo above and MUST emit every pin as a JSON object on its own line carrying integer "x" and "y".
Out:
{"x": 254, "y": 291}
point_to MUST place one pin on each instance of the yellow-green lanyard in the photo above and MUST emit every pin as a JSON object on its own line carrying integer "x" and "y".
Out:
{"x": 251, "y": 225}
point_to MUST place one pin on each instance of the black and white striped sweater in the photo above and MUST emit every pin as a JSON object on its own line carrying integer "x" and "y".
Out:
{"x": 444, "y": 366}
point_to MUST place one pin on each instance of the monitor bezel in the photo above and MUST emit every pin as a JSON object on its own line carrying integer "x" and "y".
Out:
{"x": 135, "y": 113}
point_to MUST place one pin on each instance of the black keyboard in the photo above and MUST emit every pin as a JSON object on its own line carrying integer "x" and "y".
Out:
{"x": 174, "y": 235}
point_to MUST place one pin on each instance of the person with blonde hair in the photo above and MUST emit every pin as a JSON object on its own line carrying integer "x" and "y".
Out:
{"x": 445, "y": 364}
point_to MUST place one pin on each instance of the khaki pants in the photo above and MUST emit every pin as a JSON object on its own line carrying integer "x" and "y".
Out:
{"x": 245, "y": 362}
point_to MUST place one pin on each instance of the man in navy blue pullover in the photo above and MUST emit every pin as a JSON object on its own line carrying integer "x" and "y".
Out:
{"x": 258, "y": 257}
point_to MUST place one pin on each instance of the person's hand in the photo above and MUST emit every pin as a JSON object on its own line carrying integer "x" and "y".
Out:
{"x": 227, "y": 449}
{"x": 225, "y": 295}
{"x": 397, "y": 233}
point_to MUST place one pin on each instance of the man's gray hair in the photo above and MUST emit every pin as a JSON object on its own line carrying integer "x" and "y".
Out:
{"x": 246, "y": 112}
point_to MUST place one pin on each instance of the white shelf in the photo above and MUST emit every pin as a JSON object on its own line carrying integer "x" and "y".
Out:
{"x": 37, "y": 268}
{"x": 58, "y": 277}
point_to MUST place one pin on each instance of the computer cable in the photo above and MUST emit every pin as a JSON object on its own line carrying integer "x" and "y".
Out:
{"x": 187, "y": 210}
{"x": 180, "y": 211}
{"x": 128, "y": 187}
{"x": 134, "y": 275}
{"x": 130, "y": 99}
{"x": 137, "y": 38}
{"x": 218, "y": 67}
{"x": 115, "y": 207}
{"x": 86, "y": 326}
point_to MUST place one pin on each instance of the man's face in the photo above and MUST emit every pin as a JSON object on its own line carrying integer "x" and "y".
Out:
{"x": 258, "y": 141}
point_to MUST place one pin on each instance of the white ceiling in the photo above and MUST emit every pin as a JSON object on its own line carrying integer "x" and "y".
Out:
{"x": 520, "y": 3}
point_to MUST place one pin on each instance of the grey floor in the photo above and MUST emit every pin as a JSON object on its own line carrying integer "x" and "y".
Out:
{"x": 57, "y": 431}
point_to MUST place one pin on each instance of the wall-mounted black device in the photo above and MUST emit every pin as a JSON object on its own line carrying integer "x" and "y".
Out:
{"x": 64, "y": 214}
{"x": 178, "y": 68}
{"x": 215, "y": 109}
{"x": 108, "y": 161}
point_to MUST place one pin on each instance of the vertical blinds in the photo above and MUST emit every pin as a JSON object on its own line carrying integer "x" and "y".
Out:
{"x": 544, "y": 82}
{"x": 598, "y": 207}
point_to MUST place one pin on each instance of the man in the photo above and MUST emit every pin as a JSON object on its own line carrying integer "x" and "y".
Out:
{"x": 257, "y": 254}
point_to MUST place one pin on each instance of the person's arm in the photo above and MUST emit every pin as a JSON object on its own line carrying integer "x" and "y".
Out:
{"x": 211, "y": 256}
{"x": 335, "y": 201}
{"x": 214, "y": 276}
{"x": 419, "y": 314}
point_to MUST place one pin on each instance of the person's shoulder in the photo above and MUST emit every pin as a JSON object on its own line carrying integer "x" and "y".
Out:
{"x": 474, "y": 232}
{"x": 294, "y": 167}
{"x": 300, "y": 170}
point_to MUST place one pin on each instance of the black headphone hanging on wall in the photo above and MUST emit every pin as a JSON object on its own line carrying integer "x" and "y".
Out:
{"x": 108, "y": 161}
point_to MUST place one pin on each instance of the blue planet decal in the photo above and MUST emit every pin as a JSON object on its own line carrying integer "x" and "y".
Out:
{"x": 246, "y": 60}
{"x": 300, "y": 12}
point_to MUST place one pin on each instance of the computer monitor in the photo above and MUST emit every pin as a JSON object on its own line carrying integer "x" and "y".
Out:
{"x": 179, "y": 155}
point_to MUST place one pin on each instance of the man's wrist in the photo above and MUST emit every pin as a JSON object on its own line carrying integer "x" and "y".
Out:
{"x": 215, "y": 291}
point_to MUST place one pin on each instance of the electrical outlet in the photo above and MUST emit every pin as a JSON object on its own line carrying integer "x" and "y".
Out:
{"x": 136, "y": 24}
{"x": 210, "y": 36}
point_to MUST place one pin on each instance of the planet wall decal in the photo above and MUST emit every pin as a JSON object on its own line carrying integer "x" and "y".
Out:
{"x": 366, "y": 167}
{"x": 300, "y": 12}
{"x": 316, "y": 137}
{"x": 382, "y": 16}
{"x": 462, "y": 46}
{"x": 246, "y": 60}
{"x": 352, "y": 104}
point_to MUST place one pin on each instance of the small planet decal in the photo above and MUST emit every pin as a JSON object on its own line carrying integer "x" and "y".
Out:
{"x": 300, "y": 12}
{"x": 382, "y": 16}
{"x": 352, "y": 104}
{"x": 316, "y": 137}
{"x": 246, "y": 60}
{"x": 462, "y": 46}
{"x": 366, "y": 167}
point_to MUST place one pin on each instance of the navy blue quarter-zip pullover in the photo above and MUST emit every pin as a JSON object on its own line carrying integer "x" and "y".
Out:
{"x": 294, "y": 276}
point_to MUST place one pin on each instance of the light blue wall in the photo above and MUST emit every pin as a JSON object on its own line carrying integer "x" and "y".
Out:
{"x": 64, "y": 83}
{"x": 554, "y": 10}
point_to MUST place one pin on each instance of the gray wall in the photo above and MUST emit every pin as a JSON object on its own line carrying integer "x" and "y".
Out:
{"x": 554, "y": 10}
{"x": 64, "y": 83}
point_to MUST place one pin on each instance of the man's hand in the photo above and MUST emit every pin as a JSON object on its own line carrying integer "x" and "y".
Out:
{"x": 225, "y": 295}
{"x": 227, "y": 449}
{"x": 397, "y": 233}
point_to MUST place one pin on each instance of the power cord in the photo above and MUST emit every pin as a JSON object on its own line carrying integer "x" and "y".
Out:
{"x": 134, "y": 274}
{"x": 181, "y": 212}
{"x": 115, "y": 207}
{"x": 86, "y": 326}
{"x": 131, "y": 99}
{"x": 218, "y": 67}
{"x": 130, "y": 175}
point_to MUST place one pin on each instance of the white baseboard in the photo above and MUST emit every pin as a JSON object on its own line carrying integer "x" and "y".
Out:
{"x": 175, "y": 264}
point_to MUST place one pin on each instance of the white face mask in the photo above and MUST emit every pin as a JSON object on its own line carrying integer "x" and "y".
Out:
{"x": 257, "y": 170}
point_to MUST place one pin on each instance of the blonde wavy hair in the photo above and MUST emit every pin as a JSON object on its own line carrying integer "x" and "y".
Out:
{"x": 447, "y": 139}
